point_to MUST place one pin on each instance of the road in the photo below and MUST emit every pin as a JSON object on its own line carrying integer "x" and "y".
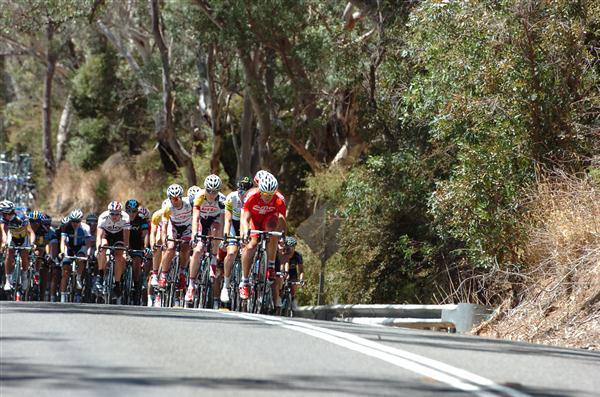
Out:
{"x": 96, "y": 350}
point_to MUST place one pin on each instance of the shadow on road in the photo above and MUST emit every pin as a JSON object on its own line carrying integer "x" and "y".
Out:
{"x": 64, "y": 377}
{"x": 17, "y": 375}
{"x": 117, "y": 310}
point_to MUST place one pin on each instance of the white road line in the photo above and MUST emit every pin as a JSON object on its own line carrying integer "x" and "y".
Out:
{"x": 455, "y": 377}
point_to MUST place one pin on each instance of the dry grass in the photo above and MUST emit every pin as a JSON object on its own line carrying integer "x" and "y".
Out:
{"x": 560, "y": 303}
{"x": 117, "y": 179}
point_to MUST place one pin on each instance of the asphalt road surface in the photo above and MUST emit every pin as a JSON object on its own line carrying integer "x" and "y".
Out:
{"x": 81, "y": 350}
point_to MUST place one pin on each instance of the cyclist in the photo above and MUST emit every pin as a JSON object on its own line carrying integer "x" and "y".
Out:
{"x": 233, "y": 209}
{"x": 291, "y": 265}
{"x": 113, "y": 230}
{"x": 91, "y": 222}
{"x": 177, "y": 224}
{"x": 155, "y": 240}
{"x": 52, "y": 251}
{"x": 16, "y": 231}
{"x": 42, "y": 238}
{"x": 263, "y": 210}
{"x": 209, "y": 206}
{"x": 145, "y": 214}
{"x": 192, "y": 192}
{"x": 74, "y": 241}
{"x": 137, "y": 239}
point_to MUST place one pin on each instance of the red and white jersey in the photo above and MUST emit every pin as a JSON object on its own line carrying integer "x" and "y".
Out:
{"x": 181, "y": 216}
{"x": 106, "y": 223}
{"x": 259, "y": 209}
{"x": 207, "y": 207}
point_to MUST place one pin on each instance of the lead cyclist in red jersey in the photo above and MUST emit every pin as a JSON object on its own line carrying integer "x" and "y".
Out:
{"x": 263, "y": 210}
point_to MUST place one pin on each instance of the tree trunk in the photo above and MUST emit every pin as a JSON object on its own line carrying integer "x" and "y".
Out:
{"x": 258, "y": 98}
{"x": 3, "y": 101}
{"x": 51, "y": 59}
{"x": 63, "y": 130}
{"x": 216, "y": 112}
{"x": 167, "y": 139}
{"x": 246, "y": 134}
{"x": 346, "y": 116}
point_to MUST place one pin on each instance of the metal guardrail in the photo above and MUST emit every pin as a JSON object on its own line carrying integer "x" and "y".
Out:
{"x": 459, "y": 318}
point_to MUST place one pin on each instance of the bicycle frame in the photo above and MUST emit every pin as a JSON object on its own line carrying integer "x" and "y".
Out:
{"x": 261, "y": 295}
{"x": 108, "y": 279}
{"x": 204, "y": 298}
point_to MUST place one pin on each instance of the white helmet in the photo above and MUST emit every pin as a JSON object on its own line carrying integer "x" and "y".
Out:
{"x": 174, "y": 190}
{"x": 193, "y": 191}
{"x": 260, "y": 175}
{"x": 212, "y": 182}
{"x": 76, "y": 215}
{"x": 165, "y": 203}
{"x": 7, "y": 206}
{"x": 267, "y": 184}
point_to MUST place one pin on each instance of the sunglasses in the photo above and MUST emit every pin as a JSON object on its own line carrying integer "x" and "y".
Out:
{"x": 211, "y": 191}
{"x": 114, "y": 213}
{"x": 131, "y": 211}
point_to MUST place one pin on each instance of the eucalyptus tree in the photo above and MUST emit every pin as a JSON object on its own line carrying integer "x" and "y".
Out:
{"x": 48, "y": 24}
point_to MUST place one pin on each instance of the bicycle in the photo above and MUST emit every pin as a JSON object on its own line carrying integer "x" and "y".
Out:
{"x": 87, "y": 292}
{"x": 286, "y": 296}
{"x": 17, "y": 273}
{"x": 167, "y": 298}
{"x": 204, "y": 297}
{"x": 108, "y": 286}
{"x": 73, "y": 293}
{"x": 260, "y": 299}
{"x": 129, "y": 293}
{"x": 236, "y": 277}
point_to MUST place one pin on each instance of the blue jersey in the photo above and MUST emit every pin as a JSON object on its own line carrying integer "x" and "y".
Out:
{"x": 75, "y": 237}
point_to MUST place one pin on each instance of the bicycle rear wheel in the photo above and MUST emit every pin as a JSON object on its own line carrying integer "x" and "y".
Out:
{"x": 127, "y": 285}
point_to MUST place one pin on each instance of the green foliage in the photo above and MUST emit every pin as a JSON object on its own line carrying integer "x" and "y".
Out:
{"x": 102, "y": 190}
{"x": 87, "y": 149}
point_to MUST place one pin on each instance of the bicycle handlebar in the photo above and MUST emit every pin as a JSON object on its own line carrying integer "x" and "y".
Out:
{"x": 113, "y": 247}
{"x": 276, "y": 234}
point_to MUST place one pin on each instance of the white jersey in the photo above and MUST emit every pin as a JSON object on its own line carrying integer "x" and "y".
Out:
{"x": 181, "y": 216}
{"x": 106, "y": 223}
{"x": 234, "y": 204}
{"x": 207, "y": 207}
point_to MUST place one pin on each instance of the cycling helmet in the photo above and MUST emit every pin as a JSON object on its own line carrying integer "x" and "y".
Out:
{"x": 132, "y": 204}
{"x": 193, "y": 191}
{"x": 174, "y": 190}
{"x": 212, "y": 182}
{"x": 115, "y": 206}
{"x": 65, "y": 220}
{"x": 7, "y": 206}
{"x": 259, "y": 175}
{"x": 144, "y": 213}
{"x": 244, "y": 183}
{"x": 267, "y": 184}
{"x": 91, "y": 218}
{"x": 290, "y": 241}
{"x": 76, "y": 215}
{"x": 35, "y": 216}
{"x": 165, "y": 203}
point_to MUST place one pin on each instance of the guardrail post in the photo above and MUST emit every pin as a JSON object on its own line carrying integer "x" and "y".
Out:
{"x": 465, "y": 316}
